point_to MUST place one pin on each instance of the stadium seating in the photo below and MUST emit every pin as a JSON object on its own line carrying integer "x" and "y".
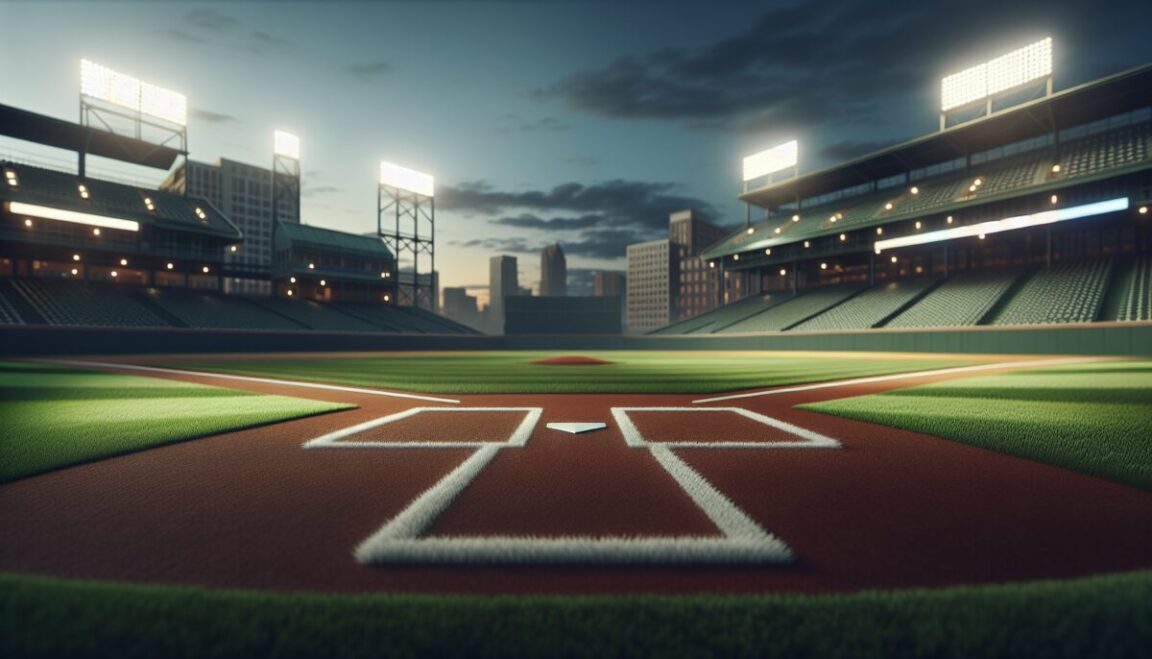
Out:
{"x": 62, "y": 302}
{"x": 210, "y": 310}
{"x": 8, "y": 313}
{"x": 1106, "y": 150}
{"x": 962, "y": 300}
{"x": 1136, "y": 291}
{"x": 868, "y": 308}
{"x": 1062, "y": 293}
{"x": 397, "y": 319}
{"x": 795, "y": 310}
{"x": 314, "y": 315}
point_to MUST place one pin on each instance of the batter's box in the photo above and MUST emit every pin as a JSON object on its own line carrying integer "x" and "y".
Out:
{"x": 712, "y": 427}
{"x": 438, "y": 427}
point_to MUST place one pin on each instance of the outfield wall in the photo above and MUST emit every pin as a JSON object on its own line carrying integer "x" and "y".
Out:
{"x": 1087, "y": 339}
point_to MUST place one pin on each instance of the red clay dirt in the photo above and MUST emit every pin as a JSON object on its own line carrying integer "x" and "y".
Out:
{"x": 252, "y": 509}
{"x": 571, "y": 360}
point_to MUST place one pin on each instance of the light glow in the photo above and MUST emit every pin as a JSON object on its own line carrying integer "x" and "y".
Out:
{"x": 75, "y": 271}
{"x": 115, "y": 274}
{"x": 406, "y": 179}
{"x": 204, "y": 269}
{"x": 10, "y": 176}
{"x": 795, "y": 218}
{"x": 27, "y": 222}
{"x": 123, "y": 261}
{"x": 1008, "y": 224}
{"x": 783, "y": 272}
{"x": 61, "y": 215}
{"x": 1001, "y": 74}
{"x": 751, "y": 231}
{"x": 286, "y": 144}
{"x": 102, "y": 83}
{"x": 83, "y": 189}
{"x": 771, "y": 160}
{"x": 171, "y": 265}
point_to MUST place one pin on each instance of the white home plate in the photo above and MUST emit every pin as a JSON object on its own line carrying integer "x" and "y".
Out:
{"x": 577, "y": 428}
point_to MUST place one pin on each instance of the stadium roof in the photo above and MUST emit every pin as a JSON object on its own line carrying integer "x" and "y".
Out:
{"x": 1098, "y": 99}
{"x": 60, "y": 190}
{"x": 330, "y": 240}
{"x": 49, "y": 131}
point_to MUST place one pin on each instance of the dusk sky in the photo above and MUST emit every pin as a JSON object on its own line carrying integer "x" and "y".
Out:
{"x": 585, "y": 123}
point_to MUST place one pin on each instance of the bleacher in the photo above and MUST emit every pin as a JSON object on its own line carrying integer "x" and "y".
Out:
{"x": 1062, "y": 293}
{"x": 868, "y": 308}
{"x": 1135, "y": 290}
{"x": 1115, "y": 148}
{"x": 720, "y": 318}
{"x": 8, "y": 313}
{"x": 212, "y": 311}
{"x": 63, "y": 302}
{"x": 962, "y": 300}
{"x": 314, "y": 315}
{"x": 795, "y": 310}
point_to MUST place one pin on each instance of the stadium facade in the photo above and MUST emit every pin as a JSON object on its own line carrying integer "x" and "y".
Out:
{"x": 1033, "y": 214}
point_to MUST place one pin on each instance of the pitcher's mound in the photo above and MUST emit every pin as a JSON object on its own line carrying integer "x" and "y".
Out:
{"x": 571, "y": 360}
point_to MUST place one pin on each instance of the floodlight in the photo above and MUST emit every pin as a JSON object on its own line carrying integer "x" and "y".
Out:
{"x": 286, "y": 144}
{"x": 1006, "y": 72}
{"x": 771, "y": 160}
{"x": 405, "y": 179}
{"x": 104, "y": 84}
{"x": 49, "y": 213}
{"x": 27, "y": 222}
{"x": 123, "y": 261}
{"x": 1009, "y": 223}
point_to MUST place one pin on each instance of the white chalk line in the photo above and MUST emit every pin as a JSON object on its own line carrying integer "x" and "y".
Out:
{"x": 896, "y": 376}
{"x": 248, "y": 378}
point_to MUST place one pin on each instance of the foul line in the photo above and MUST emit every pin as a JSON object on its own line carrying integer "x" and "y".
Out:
{"x": 247, "y": 378}
{"x": 896, "y": 376}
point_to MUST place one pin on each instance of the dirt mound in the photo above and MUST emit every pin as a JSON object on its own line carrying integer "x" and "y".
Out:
{"x": 571, "y": 360}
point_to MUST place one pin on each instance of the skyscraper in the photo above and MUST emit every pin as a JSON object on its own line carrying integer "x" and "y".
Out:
{"x": 668, "y": 279}
{"x": 553, "y": 272}
{"x": 502, "y": 282}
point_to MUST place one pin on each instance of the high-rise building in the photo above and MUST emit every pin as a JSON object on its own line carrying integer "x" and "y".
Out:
{"x": 652, "y": 270}
{"x": 460, "y": 306}
{"x": 553, "y": 272}
{"x": 243, "y": 193}
{"x": 696, "y": 288}
{"x": 502, "y": 282}
{"x": 608, "y": 283}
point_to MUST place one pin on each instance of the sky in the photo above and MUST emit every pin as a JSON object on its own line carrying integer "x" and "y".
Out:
{"x": 580, "y": 122}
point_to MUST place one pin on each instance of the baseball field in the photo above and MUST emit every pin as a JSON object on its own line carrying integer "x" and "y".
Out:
{"x": 606, "y": 503}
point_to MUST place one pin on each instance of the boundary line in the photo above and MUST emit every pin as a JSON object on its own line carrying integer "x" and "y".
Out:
{"x": 248, "y": 378}
{"x": 896, "y": 376}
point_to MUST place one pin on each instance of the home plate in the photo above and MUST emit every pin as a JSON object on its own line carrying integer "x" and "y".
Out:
{"x": 577, "y": 428}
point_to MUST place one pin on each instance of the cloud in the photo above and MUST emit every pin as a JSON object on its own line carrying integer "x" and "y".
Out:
{"x": 847, "y": 61}
{"x": 182, "y": 35}
{"x": 263, "y": 43}
{"x": 210, "y": 19}
{"x": 210, "y": 116}
{"x": 619, "y": 202}
{"x": 367, "y": 71}
{"x": 512, "y": 123}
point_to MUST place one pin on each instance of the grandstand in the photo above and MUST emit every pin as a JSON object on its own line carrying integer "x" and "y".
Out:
{"x": 911, "y": 235}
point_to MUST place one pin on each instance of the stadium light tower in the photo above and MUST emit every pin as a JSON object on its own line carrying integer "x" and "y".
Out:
{"x": 121, "y": 104}
{"x": 766, "y": 163}
{"x": 285, "y": 176}
{"x": 407, "y": 196}
{"x": 984, "y": 83}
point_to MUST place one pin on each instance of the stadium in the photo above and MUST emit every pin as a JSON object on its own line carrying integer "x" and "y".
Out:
{"x": 917, "y": 425}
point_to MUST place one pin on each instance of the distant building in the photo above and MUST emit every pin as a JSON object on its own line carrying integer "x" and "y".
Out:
{"x": 243, "y": 193}
{"x": 668, "y": 279}
{"x": 502, "y": 282}
{"x": 460, "y": 306}
{"x": 608, "y": 283}
{"x": 553, "y": 272}
{"x": 652, "y": 269}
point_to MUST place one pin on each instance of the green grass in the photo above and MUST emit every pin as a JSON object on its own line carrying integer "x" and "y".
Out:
{"x": 54, "y": 417}
{"x": 631, "y": 372}
{"x": 1094, "y": 418}
{"x": 1105, "y": 616}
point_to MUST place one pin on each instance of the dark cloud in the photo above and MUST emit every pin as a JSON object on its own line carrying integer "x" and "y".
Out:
{"x": 501, "y": 245}
{"x": 182, "y": 35}
{"x": 367, "y": 71}
{"x": 617, "y": 202}
{"x": 210, "y": 116}
{"x": 529, "y": 221}
{"x": 842, "y": 61}
{"x": 609, "y": 243}
{"x": 512, "y": 123}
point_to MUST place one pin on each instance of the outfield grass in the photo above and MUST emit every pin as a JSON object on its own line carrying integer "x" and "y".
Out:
{"x": 1094, "y": 418}
{"x": 1106, "y": 616}
{"x": 630, "y": 372}
{"x": 54, "y": 417}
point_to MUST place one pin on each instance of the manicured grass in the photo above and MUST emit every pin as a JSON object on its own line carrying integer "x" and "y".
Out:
{"x": 1094, "y": 418}
{"x": 630, "y": 372}
{"x": 1106, "y": 616}
{"x": 54, "y": 417}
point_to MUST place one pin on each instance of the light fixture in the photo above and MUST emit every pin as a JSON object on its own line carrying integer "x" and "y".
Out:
{"x": 888, "y": 206}
{"x": 123, "y": 261}
{"x": 879, "y": 231}
{"x": 292, "y": 280}
{"x": 783, "y": 272}
{"x": 114, "y": 274}
{"x": 171, "y": 265}
{"x": 311, "y": 266}
{"x": 843, "y": 237}
{"x": 823, "y": 266}
{"x": 1143, "y": 210}
{"x": 972, "y": 188}
{"x": 1056, "y": 168}
{"x": 10, "y": 176}
{"x": 795, "y": 218}
{"x": 777, "y": 230}
{"x": 981, "y": 236}
{"x": 289, "y": 292}
{"x": 978, "y": 182}
{"x": 75, "y": 257}
{"x": 949, "y": 219}
{"x": 918, "y": 225}
{"x": 832, "y": 218}
{"x": 1054, "y": 199}
{"x": 148, "y": 203}
{"x": 768, "y": 252}
{"x": 27, "y": 222}
{"x": 205, "y": 269}
{"x": 735, "y": 257}
{"x": 711, "y": 264}
{"x": 751, "y": 231}
{"x": 232, "y": 248}
{"x": 200, "y": 214}
{"x": 75, "y": 271}
{"x": 806, "y": 244}
{"x": 75, "y": 217}
{"x": 893, "y": 259}
{"x": 915, "y": 190}
{"x": 387, "y": 298}
{"x": 323, "y": 283}
{"x": 83, "y": 191}
{"x": 96, "y": 231}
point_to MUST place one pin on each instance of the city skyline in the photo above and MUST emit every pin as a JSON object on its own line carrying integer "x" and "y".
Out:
{"x": 578, "y": 123}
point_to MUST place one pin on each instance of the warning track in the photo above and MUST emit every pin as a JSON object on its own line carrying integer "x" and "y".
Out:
{"x": 889, "y": 508}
